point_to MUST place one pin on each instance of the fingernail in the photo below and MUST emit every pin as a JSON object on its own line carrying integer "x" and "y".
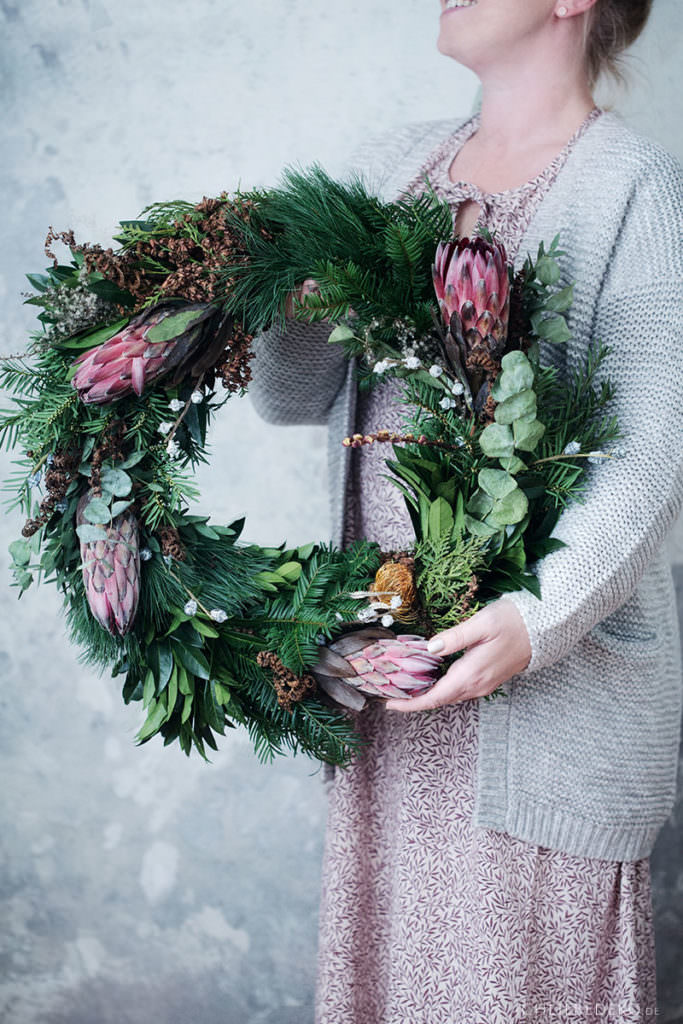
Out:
{"x": 435, "y": 645}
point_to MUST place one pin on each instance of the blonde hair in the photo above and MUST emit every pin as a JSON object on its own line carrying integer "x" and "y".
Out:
{"x": 609, "y": 28}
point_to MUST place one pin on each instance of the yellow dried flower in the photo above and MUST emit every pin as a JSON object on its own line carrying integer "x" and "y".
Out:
{"x": 396, "y": 579}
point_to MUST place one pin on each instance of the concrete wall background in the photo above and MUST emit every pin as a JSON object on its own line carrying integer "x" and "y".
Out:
{"x": 137, "y": 885}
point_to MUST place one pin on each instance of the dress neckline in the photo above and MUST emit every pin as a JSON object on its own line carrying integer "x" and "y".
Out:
{"x": 445, "y": 156}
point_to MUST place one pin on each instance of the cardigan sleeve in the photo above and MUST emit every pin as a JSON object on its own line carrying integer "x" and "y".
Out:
{"x": 632, "y": 501}
{"x": 296, "y": 374}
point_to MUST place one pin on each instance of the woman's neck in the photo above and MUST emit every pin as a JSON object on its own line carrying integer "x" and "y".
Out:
{"x": 515, "y": 117}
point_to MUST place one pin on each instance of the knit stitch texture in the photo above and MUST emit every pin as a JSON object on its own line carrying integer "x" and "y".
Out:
{"x": 581, "y": 753}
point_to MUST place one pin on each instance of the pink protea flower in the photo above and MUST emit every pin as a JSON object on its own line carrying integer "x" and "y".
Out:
{"x": 111, "y": 571}
{"x": 129, "y": 361}
{"x": 376, "y": 662}
{"x": 471, "y": 283}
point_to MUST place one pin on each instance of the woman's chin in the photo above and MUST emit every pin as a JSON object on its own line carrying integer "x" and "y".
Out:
{"x": 448, "y": 46}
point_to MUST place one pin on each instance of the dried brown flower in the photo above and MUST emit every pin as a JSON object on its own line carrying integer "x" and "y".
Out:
{"x": 289, "y": 687}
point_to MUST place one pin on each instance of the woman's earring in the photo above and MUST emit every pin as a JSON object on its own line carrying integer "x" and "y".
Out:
{"x": 562, "y": 12}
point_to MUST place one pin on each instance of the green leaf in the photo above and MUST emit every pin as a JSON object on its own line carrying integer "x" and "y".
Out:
{"x": 165, "y": 663}
{"x": 172, "y": 691}
{"x": 561, "y": 301}
{"x": 120, "y": 506}
{"x": 342, "y": 332}
{"x": 222, "y": 694}
{"x": 174, "y": 325}
{"x": 192, "y": 660}
{"x": 496, "y": 482}
{"x": 204, "y": 628}
{"x": 40, "y": 282}
{"x": 305, "y": 551}
{"x": 479, "y": 529}
{"x": 517, "y": 376}
{"x": 521, "y": 404}
{"x": 111, "y": 292}
{"x": 527, "y": 434}
{"x": 94, "y": 338}
{"x": 89, "y": 533}
{"x": 510, "y": 509}
{"x": 546, "y": 545}
{"x": 149, "y": 688}
{"x": 480, "y": 504}
{"x": 441, "y": 519}
{"x": 132, "y": 459}
{"x": 206, "y": 531}
{"x": 96, "y": 511}
{"x": 117, "y": 481}
{"x": 547, "y": 270}
{"x": 290, "y": 571}
{"x": 153, "y": 722}
{"x": 513, "y": 464}
{"x": 497, "y": 441}
{"x": 184, "y": 684}
{"x": 187, "y": 708}
{"x": 20, "y": 552}
{"x": 553, "y": 328}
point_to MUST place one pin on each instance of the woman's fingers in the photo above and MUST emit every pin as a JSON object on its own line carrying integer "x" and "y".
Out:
{"x": 457, "y": 638}
{"x": 465, "y": 676}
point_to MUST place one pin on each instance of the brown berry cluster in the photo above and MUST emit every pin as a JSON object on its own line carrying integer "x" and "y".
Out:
{"x": 171, "y": 544}
{"x": 58, "y": 476}
{"x": 185, "y": 263}
{"x": 289, "y": 687}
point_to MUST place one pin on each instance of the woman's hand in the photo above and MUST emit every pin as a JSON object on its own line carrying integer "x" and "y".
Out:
{"x": 496, "y": 645}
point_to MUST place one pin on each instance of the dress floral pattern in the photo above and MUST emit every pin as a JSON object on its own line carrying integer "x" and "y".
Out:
{"x": 424, "y": 918}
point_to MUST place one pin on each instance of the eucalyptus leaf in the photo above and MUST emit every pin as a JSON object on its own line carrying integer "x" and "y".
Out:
{"x": 96, "y": 511}
{"x": 480, "y": 504}
{"x": 527, "y": 434}
{"x": 479, "y": 529}
{"x": 552, "y": 328}
{"x": 117, "y": 481}
{"x": 510, "y": 509}
{"x": 204, "y": 628}
{"x": 120, "y": 506}
{"x": 496, "y": 482}
{"x": 132, "y": 459}
{"x": 149, "y": 688}
{"x": 89, "y": 533}
{"x": 522, "y": 404}
{"x": 497, "y": 441}
{"x": 561, "y": 301}
{"x": 153, "y": 722}
{"x": 547, "y": 270}
{"x": 20, "y": 552}
{"x": 513, "y": 464}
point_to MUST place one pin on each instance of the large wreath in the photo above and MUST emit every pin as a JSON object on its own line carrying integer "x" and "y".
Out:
{"x": 139, "y": 346}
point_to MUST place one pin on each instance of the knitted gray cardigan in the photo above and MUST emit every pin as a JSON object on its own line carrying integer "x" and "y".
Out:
{"x": 581, "y": 753}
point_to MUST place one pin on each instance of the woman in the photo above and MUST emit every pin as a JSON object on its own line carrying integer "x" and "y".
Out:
{"x": 488, "y": 861}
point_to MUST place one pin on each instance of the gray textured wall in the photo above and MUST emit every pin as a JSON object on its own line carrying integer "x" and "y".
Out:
{"x": 137, "y": 885}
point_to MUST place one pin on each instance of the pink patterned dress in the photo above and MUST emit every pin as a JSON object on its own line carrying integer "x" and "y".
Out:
{"x": 425, "y": 918}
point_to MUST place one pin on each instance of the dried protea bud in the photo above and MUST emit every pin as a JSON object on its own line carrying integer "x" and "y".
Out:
{"x": 192, "y": 339}
{"x": 111, "y": 571}
{"x": 397, "y": 580}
